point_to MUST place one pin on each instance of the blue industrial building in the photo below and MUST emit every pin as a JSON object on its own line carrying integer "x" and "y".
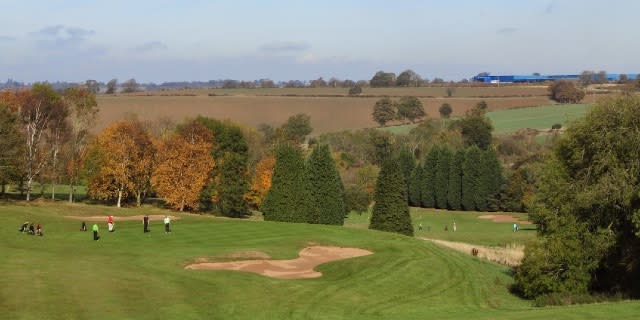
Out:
{"x": 542, "y": 78}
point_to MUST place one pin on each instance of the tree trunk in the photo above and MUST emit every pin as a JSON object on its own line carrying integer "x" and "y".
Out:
{"x": 119, "y": 197}
{"x": 29, "y": 188}
{"x": 53, "y": 191}
{"x": 181, "y": 205}
{"x": 71, "y": 187}
{"x": 138, "y": 199}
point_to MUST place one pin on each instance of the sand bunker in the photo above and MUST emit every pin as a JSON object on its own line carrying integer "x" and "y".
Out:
{"x": 503, "y": 218}
{"x": 300, "y": 268}
{"x": 155, "y": 217}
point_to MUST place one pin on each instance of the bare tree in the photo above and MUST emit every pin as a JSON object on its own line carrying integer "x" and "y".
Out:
{"x": 112, "y": 86}
{"x": 40, "y": 109}
{"x": 92, "y": 85}
{"x": 130, "y": 86}
{"x": 83, "y": 109}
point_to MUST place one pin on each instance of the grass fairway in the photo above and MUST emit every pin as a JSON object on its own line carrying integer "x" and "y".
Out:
{"x": 470, "y": 228}
{"x": 131, "y": 275}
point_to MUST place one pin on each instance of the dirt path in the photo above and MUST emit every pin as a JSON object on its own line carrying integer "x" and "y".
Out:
{"x": 155, "y": 217}
{"x": 300, "y": 268}
{"x": 507, "y": 256}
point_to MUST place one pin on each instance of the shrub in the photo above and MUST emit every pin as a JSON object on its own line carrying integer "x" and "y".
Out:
{"x": 355, "y": 91}
{"x": 565, "y": 92}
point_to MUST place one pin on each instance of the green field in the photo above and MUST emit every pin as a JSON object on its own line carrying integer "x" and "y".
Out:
{"x": 541, "y": 118}
{"x": 132, "y": 275}
{"x": 511, "y": 120}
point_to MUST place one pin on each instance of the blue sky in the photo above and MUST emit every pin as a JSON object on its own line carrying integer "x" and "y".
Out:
{"x": 164, "y": 40}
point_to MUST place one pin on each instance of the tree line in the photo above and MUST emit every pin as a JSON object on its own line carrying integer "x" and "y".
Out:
{"x": 201, "y": 164}
{"x": 467, "y": 179}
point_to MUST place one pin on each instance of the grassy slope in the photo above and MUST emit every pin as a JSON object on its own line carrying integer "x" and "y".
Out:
{"x": 131, "y": 275}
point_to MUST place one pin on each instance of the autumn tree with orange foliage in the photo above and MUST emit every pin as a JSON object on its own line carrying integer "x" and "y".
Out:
{"x": 125, "y": 154}
{"x": 184, "y": 164}
{"x": 261, "y": 181}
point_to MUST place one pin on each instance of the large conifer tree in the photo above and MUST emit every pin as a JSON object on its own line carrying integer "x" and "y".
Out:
{"x": 391, "y": 212}
{"x": 492, "y": 178}
{"x": 428, "y": 195}
{"x": 289, "y": 198}
{"x": 407, "y": 164}
{"x": 327, "y": 190}
{"x": 454, "y": 195}
{"x": 471, "y": 178}
{"x": 441, "y": 179}
{"x": 415, "y": 186}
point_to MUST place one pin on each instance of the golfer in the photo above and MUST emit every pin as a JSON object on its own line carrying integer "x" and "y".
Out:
{"x": 167, "y": 221}
{"x": 96, "y": 236}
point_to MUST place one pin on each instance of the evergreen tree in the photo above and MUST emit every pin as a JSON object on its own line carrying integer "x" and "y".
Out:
{"x": 428, "y": 195}
{"x": 407, "y": 164}
{"x": 415, "y": 186}
{"x": 289, "y": 199}
{"x": 233, "y": 185}
{"x": 391, "y": 212}
{"x": 471, "y": 177}
{"x": 327, "y": 190}
{"x": 492, "y": 179}
{"x": 454, "y": 195}
{"x": 482, "y": 188}
{"x": 441, "y": 179}
{"x": 10, "y": 147}
{"x": 229, "y": 181}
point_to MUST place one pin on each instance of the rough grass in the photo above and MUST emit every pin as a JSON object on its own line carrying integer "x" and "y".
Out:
{"x": 132, "y": 275}
{"x": 509, "y": 256}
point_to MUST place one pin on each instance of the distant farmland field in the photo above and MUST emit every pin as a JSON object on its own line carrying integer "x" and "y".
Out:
{"x": 327, "y": 113}
{"x": 432, "y": 91}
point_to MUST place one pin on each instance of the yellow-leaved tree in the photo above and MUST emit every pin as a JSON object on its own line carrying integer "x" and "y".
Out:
{"x": 261, "y": 181}
{"x": 184, "y": 164}
{"x": 123, "y": 160}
